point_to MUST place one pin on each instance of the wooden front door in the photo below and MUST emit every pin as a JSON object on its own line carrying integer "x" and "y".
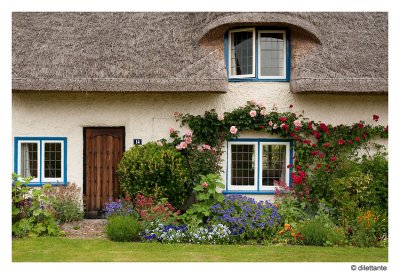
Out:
{"x": 103, "y": 151}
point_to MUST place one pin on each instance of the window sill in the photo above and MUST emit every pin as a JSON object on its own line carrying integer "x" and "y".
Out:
{"x": 264, "y": 192}
{"x": 233, "y": 80}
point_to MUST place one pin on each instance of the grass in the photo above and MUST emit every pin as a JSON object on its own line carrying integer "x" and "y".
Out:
{"x": 103, "y": 250}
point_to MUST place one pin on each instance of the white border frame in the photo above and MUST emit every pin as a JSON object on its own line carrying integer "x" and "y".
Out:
{"x": 256, "y": 172}
{"x": 56, "y": 179}
{"x": 259, "y": 54}
{"x": 39, "y": 156}
{"x": 253, "y": 30}
{"x": 287, "y": 144}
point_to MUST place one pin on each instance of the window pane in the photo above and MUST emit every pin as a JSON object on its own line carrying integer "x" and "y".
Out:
{"x": 52, "y": 160}
{"x": 29, "y": 160}
{"x": 273, "y": 164}
{"x": 241, "y": 53}
{"x": 242, "y": 165}
{"x": 272, "y": 54}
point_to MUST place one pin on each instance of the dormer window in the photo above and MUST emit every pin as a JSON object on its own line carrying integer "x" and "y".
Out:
{"x": 257, "y": 54}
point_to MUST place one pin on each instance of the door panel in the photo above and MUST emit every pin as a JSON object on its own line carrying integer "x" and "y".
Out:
{"x": 103, "y": 151}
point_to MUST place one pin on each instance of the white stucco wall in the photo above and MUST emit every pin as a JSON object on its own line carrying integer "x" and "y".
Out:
{"x": 149, "y": 116}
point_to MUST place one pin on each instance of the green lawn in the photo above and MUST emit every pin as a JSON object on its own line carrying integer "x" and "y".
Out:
{"x": 103, "y": 250}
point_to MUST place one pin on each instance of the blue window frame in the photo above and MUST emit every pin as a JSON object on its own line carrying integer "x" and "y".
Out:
{"x": 43, "y": 158}
{"x": 257, "y": 54}
{"x": 252, "y": 165}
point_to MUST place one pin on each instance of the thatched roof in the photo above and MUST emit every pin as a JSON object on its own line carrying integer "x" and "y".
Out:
{"x": 183, "y": 52}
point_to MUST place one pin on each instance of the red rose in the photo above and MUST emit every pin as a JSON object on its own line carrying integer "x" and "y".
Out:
{"x": 314, "y": 145}
{"x": 290, "y": 106}
{"x": 327, "y": 145}
{"x": 323, "y": 127}
{"x": 302, "y": 174}
{"x": 284, "y": 127}
{"x": 350, "y": 142}
{"x": 334, "y": 159}
{"x": 316, "y": 134}
{"x": 386, "y": 128}
{"x": 360, "y": 125}
{"x": 298, "y": 167}
{"x": 357, "y": 139}
{"x": 296, "y": 179}
{"x": 319, "y": 166}
{"x": 283, "y": 119}
{"x": 262, "y": 126}
{"x": 375, "y": 117}
{"x": 310, "y": 125}
{"x": 341, "y": 142}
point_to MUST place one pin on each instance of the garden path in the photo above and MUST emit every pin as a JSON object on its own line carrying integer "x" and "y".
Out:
{"x": 85, "y": 229}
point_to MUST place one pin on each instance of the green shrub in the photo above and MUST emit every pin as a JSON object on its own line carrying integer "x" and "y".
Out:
{"x": 206, "y": 195}
{"x": 66, "y": 202}
{"x": 321, "y": 230}
{"x": 121, "y": 228}
{"x": 32, "y": 214}
{"x": 155, "y": 171}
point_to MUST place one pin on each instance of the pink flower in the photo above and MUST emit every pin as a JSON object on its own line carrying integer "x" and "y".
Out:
{"x": 275, "y": 126}
{"x": 204, "y": 185}
{"x": 263, "y": 112}
{"x": 206, "y": 147}
{"x": 188, "y": 140}
{"x": 253, "y": 113}
{"x": 181, "y": 146}
{"x": 171, "y": 130}
{"x": 177, "y": 114}
{"x": 220, "y": 117}
{"x": 188, "y": 133}
{"x": 297, "y": 123}
{"x": 233, "y": 130}
{"x": 270, "y": 123}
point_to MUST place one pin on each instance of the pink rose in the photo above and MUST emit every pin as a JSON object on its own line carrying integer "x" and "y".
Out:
{"x": 297, "y": 123}
{"x": 188, "y": 140}
{"x": 183, "y": 145}
{"x": 220, "y": 117}
{"x": 253, "y": 113}
{"x": 171, "y": 130}
{"x": 270, "y": 123}
{"x": 206, "y": 147}
{"x": 204, "y": 185}
{"x": 177, "y": 114}
{"x": 233, "y": 130}
{"x": 275, "y": 126}
{"x": 188, "y": 133}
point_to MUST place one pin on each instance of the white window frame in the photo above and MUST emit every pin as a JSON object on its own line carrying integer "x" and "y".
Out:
{"x": 253, "y": 30}
{"x": 55, "y": 179}
{"x": 20, "y": 142}
{"x": 256, "y": 172}
{"x": 258, "y": 187}
{"x": 287, "y": 144}
{"x": 259, "y": 54}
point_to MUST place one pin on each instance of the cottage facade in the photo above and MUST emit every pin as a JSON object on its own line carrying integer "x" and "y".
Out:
{"x": 87, "y": 86}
